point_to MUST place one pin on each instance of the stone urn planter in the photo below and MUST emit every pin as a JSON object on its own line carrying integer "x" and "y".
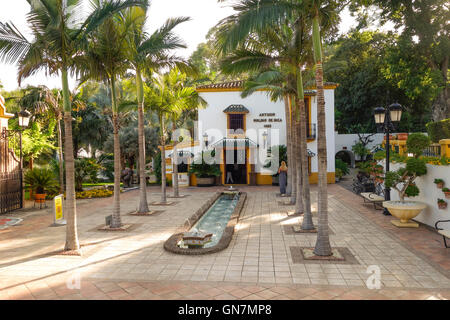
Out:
{"x": 404, "y": 211}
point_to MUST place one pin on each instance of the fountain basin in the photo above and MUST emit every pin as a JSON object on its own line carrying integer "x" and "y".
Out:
{"x": 218, "y": 216}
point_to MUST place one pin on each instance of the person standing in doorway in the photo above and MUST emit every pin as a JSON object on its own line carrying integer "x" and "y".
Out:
{"x": 229, "y": 174}
{"x": 282, "y": 178}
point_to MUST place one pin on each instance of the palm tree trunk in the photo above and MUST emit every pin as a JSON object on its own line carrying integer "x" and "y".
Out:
{"x": 323, "y": 247}
{"x": 176, "y": 192}
{"x": 163, "y": 161}
{"x": 116, "y": 220}
{"x": 293, "y": 171}
{"x": 60, "y": 157}
{"x": 288, "y": 143}
{"x": 307, "y": 223}
{"x": 143, "y": 205}
{"x": 299, "y": 206}
{"x": 72, "y": 242}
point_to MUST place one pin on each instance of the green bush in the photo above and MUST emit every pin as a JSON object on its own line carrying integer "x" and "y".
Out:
{"x": 439, "y": 130}
{"x": 417, "y": 143}
{"x": 157, "y": 167}
{"x": 338, "y": 173}
{"x": 360, "y": 150}
{"x": 402, "y": 180}
{"x": 41, "y": 180}
{"x": 204, "y": 169}
{"x": 86, "y": 170}
{"x": 342, "y": 166}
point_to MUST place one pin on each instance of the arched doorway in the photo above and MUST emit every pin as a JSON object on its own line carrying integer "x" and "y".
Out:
{"x": 346, "y": 156}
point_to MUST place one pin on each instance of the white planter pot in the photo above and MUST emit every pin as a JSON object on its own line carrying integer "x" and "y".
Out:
{"x": 404, "y": 211}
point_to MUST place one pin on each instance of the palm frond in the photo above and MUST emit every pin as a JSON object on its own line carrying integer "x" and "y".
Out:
{"x": 13, "y": 45}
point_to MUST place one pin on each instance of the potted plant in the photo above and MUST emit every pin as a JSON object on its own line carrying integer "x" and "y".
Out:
{"x": 403, "y": 180}
{"x": 205, "y": 171}
{"x": 442, "y": 204}
{"x": 338, "y": 174}
{"x": 447, "y": 192}
{"x": 42, "y": 181}
{"x": 439, "y": 183}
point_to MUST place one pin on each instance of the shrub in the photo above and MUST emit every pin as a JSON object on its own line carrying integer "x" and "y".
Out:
{"x": 417, "y": 143}
{"x": 203, "y": 169}
{"x": 402, "y": 180}
{"x": 85, "y": 170}
{"x": 439, "y": 130}
{"x": 41, "y": 180}
{"x": 338, "y": 173}
{"x": 342, "y": 166}
{"x": 361, "y": 150}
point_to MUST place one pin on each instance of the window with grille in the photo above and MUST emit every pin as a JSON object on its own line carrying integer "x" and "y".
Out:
{"x": 236, "y": 121}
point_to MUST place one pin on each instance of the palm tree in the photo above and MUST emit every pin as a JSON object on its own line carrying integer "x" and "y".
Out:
{"x": 55, "y": 47}
{"x": 149, "y": 53}
{"x": 169, "y": 99}
{"x": 104, "y": 59}
{"x": 287, "y": 46}
{"x": 321, "y": 11}
{"x": 258, "y": 15}
{"x": 186, "y": 99}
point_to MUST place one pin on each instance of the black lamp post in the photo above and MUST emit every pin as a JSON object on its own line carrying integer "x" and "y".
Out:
{"x": 24, "y": 119}
{"x": 205, "y": 140}
{"x": 265, "y": 138}
{"x": 385, "y": 119}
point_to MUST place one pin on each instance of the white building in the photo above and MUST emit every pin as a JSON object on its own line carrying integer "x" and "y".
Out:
{"x": 242, "y": 130}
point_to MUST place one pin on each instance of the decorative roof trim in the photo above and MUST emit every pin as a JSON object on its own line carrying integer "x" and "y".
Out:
{"x": 236, "y": 108}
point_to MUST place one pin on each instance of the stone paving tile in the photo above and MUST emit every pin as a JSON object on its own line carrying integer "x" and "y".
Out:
{"x": 117, "y": 266}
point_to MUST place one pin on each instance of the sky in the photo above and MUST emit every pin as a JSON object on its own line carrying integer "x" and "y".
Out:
{"x": 204, "y": 15}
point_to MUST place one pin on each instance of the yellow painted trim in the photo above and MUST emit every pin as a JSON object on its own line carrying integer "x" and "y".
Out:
{"x": 182, "y": 145}
{"x": 445, "y": 147}
{"x": 314, "y": 177}
{"x": 3, "y": 113}
{"x": 247, "y": 157}
{"x": 263, "y": 179}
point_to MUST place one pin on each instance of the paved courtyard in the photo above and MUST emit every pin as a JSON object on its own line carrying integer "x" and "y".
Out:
{"x": 258, "y": 264}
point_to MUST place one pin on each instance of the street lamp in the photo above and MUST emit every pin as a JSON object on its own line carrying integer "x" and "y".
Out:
{"x": 385, "y": 119}
{"x": 205, "y": 139}
{"x": 265, "y": 138}
{"x": 24, "y": 119}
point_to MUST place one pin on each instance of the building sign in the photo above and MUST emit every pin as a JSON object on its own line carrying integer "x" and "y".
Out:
{"x": 267, "y": 119}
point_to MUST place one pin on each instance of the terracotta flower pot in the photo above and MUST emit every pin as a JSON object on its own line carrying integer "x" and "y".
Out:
{"x": 440, "y": 185}
{"x": 39, "y": 197}
{"x": 447, "y": 194}
{"x": 442, "y": 205}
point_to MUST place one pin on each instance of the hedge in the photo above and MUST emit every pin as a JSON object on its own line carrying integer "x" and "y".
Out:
{"x": 439, "y": 130}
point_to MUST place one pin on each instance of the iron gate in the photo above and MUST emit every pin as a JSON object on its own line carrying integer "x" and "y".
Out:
{"x": 10, "y": 177}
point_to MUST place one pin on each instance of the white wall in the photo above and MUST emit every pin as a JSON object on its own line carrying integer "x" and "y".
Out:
{"x": 429, "y": 193}
{"x": 213, "y": 120}
{"x": 349, "y": 140}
